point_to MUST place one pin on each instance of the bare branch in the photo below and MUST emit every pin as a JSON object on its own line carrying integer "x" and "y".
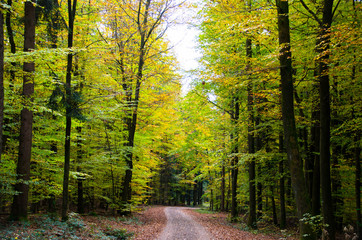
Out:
{"x": 311, "y": 12}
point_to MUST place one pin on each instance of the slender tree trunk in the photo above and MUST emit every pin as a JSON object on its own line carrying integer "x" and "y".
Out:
{"x": 283, "y": 218}
{"x": 10, "y": 33}
{"x": 1, "y": 81}
{"x": 194, "y": 195}
{"x": 259, "y": 186}
{"x": 80, "y": 205}
{"x": 71, "y": 16}
{"x": 132, "y": 121}
{"x": 357, "y": 148}
{"x": 275, "y": 217}
{"x": 325, "y": 174}
{"x": 357, "y": 154}
{"x": 200, "y": 192}
{"x": 314, "y": 149}
{"x": 259, "y": 193}
{"x": 222, "y": 203}
{"x": 228, "y": 193}
{"x": 235, "y": 159}
{"x": 290, "y": 134}
{"x": 20, "y": 203}
{"x": 251, "y": 146}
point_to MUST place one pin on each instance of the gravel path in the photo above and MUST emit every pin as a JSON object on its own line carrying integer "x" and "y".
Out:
{"x": 181, "y": 226}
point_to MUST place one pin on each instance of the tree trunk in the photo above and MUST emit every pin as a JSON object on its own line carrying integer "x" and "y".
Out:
{"x": 357, "y": 148}
{"x": 357, "y": 153}
{"x": 314, "y": 150}
{"x": 275, "y": 217}
{"x": 194, "y": 195}
{"x": 20, "y": 202}
{"x": 80, "y": 205}
{"x": 251, "y": 146}
{"x": 325, "y": 174}
{"x": 259, "y": 193}
{"x": 132, "y": 121}
{"x": 71, "y": 15}
{"x": 290, "y": 134}
{"x": 1, "y": 81}
{"x": 222, "y": 204}
{"x": 283, "y": 218}
{"x": 235, "y": 160}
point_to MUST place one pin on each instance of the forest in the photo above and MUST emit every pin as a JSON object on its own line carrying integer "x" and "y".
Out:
{"x": 93, "y": 119}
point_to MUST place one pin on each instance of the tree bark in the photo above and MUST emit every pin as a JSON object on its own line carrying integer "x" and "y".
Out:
{"x": 222, "y": 203}
{"x": 275, "y": 217}
{"x": 314, "y": 149}
{"x": 325, "y": 174}
{"x": 235, "y": 159}
{"x": 357, "y": 153}
{"x": 71, "y": 16}
{"x": 290, "y": 134}
{"x": 20, "y": 203}
{"x": 1, "y": 81}
{"x": 283, "y": 218}
{"x": 251, "y": 148}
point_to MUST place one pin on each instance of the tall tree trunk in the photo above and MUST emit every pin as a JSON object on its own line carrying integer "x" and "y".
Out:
{"x": 10, "y": 33}
{"x": 259, "y": 186}
{"x": 357, "y": 148}
{"x": 275, "y": 217}
{"x": 80, "y": 179}
{"x": 222, "y": 203}
{"x": 357, "y": 154}
{"x": 259, "y": 192}
{"x": 71, "y": 16}
{"x": 194, "y": 195}
{"x": 251, "y": 147}
{"x": 290, "y": 134}
{"x": 283, "y": 218}
{"x": 20, "y": 203}
{"x": 1, "y": 81}
{"x": 314, "y": 150}
{"x": 132, "y": 121}
{"x": 325, "y": 174}
{"x": 235, "y": 159}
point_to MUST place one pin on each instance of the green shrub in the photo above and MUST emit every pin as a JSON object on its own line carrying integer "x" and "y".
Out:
{"x": 119, "y": 234}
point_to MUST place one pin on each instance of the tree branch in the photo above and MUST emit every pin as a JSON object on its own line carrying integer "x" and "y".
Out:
{"x": 311, "y": 12}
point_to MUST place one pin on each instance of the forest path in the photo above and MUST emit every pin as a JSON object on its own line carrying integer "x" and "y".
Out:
{"x": 181, "y": 226}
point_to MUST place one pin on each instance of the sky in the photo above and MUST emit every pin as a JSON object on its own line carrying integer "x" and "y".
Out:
{"x": 183, "y": 38}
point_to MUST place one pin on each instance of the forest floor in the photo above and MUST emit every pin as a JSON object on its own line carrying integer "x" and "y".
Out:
{"x": 147, "y": 224}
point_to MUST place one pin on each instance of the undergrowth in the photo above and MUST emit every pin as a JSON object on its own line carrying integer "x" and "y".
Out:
{"x": 46, "y": 227}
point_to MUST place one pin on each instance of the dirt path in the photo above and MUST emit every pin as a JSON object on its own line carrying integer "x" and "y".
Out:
{"x": 181, "y": 226}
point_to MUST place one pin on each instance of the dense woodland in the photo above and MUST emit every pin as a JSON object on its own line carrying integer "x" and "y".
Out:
{"x": 92, "y": 116}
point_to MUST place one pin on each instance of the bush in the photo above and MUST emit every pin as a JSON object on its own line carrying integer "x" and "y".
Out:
{"x": 119, "y": 234}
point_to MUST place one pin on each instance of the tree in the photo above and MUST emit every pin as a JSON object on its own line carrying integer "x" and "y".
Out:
{"x": 19, "y": 207}
{"x": 69, "y": 107}
{"x": 142, "y": 29}
{"x": 1, "y": 78}
{"x": 290, "y": 134}
{"x": 325, "y": 119}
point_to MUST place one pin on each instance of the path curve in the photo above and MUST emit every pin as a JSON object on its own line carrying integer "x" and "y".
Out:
{"x": 181, "y": 226}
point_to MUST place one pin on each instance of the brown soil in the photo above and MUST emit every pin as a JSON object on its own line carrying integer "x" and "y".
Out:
{"x": 146, "y": 225}
{"x": 218, "y": 225}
